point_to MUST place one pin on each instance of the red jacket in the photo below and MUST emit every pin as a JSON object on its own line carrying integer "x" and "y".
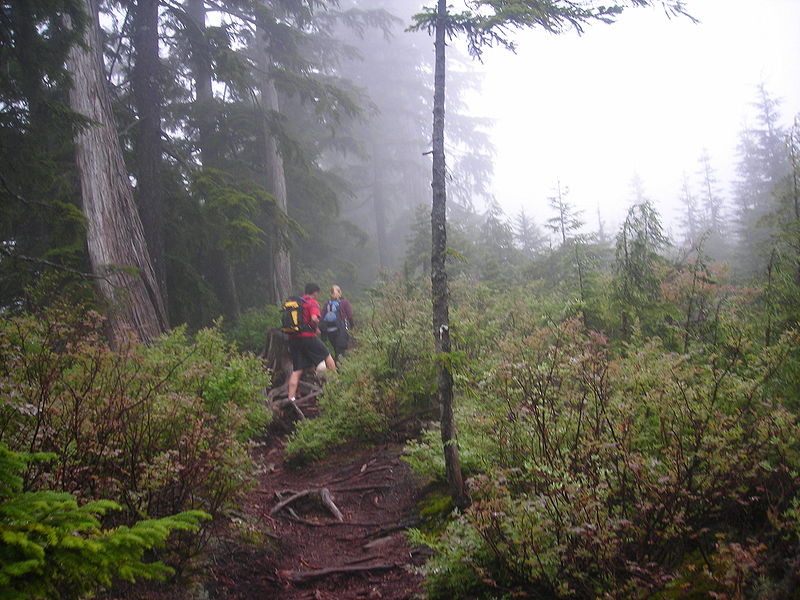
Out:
{"x": 310, "y": 308}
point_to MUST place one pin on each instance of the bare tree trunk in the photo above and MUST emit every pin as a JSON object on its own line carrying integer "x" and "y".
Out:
{"x": 439, "y": 291}
{"x": 204, "y": 95}
{"x": 794, "y": 136}
{"x": 273, "y": 166}
{"x": 147, "y": 95}
{"x": 210, "y": 156}
{"x": 235, "y": 307}
{"x": 769, "y": 298}
{"x": 379, "y": 207}
{"x": 115, "y": 237}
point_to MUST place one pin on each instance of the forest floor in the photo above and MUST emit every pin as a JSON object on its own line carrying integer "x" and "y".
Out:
{"x": 312, "y": 554}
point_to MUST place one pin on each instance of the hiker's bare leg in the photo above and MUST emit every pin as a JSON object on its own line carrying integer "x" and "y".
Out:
{"x": 330, "y": 363}
{"x": 294, "y": 379}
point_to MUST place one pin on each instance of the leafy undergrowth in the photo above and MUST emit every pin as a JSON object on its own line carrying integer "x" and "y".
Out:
{"x": 151, "y": 431}
{"x": 647, "y": 475}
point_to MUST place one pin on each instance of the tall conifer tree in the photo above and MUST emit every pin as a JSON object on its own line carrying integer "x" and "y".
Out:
{"x": 115, "y": 236}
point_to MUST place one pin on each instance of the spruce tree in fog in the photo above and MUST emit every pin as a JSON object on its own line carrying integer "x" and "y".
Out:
{"x": 386, "y": 168}
{"x": 496, "y": 253}
{"x": 714, "y": 223}
{"x": 567, "y": 219}
{"x": 762, "y": 164}
{"x": 690, "y": 218}
{"x": 782, "y": 288}
{"x": 635, "y": 287}
{"x": 148, "y": 99}
{"x": 528, "y": 235}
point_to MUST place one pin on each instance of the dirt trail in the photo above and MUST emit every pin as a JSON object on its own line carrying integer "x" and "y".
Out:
{"x": 313, "y": 555}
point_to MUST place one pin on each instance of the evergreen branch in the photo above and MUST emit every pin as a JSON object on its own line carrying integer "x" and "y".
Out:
{"x": 248, "y": 19}
{"x": 15, "y": 195}
{"x": 117, "y": 52}
{"x": 44, "y": 262}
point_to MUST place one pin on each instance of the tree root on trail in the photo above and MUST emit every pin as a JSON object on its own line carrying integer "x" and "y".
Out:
{"x": 324, "y": 496}
{"x": 362, "y": 473}
{"x": 364, "y": 488}
{"x": 401, "y": 526}
{"x": 306, "y": 576}
{"x": 304, "y": 401}
{"x": 283, "y": 390}
{"x": 363, "y": 559}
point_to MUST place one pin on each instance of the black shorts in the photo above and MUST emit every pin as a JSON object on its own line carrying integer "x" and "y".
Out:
{"x": 307, "y": 352}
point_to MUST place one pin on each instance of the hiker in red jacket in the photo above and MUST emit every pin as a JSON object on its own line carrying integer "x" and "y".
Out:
{"x": 306, "y": 348}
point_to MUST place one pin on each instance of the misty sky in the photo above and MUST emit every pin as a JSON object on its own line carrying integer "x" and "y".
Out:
{"x": 643, "y": 96}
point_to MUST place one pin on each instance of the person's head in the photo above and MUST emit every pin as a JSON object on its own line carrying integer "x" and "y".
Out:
{"x": 311, "y": 289}
{"x": 336, "y": 292}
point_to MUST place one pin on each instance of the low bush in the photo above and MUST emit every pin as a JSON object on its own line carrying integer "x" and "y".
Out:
{"x": 158, "y": 429}
{"x": 647, "y": 475}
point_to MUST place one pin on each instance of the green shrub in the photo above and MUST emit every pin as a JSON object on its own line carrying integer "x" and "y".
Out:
{"x": 53, "y": 548}
{"x": 158, "y": 429}
{"x": 250, "y": 333}
{"x": 623, "y": 477}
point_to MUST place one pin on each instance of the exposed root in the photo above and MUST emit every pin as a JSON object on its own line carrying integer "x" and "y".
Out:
{"x": 306, "y": 576}
{"x": 324, "y": 496}
{"x": 364, "y": 488}
{"x": 362, "y": 473}
{"x": 277, "y": 405}
{"x": 327, "y": 500}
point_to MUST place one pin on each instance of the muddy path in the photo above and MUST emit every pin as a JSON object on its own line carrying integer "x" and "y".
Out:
{"x": 333, "y": 530}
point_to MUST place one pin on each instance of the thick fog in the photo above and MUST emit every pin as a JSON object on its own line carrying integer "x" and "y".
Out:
{"x": 642, "y": 97}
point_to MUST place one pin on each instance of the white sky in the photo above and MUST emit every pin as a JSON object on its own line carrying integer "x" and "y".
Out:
{"x": 644, "y": 96}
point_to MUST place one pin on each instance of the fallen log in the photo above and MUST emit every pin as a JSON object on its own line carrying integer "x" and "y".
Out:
{"x": 289, "y": 500}
{"x": 401, "y": 526}
{"x": 363, "y": 559}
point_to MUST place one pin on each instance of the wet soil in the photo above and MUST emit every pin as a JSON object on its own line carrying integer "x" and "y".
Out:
{"x": 312, "y": 554}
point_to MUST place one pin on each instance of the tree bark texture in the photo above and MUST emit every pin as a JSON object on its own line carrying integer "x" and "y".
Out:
{"x": 115, "y": 236}
{"x": 273, "y": 167}
{"x": 147, "y": 95}
{"x": 439, "y": 290}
